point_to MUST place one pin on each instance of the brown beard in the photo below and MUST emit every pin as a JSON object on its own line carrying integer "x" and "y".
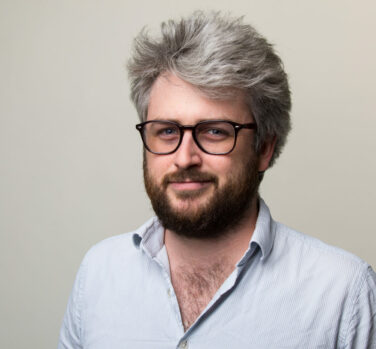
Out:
{"x": 223, "y": 211}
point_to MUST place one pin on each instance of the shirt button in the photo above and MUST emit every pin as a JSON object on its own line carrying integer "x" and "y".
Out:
{"x": 183, "y": 345}
{"x": 169, "y": 292}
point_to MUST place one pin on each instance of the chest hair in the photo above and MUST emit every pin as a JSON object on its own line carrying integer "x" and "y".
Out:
{"x": 195, "y": 287}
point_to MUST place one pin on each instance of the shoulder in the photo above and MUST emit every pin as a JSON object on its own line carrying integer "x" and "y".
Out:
{"x": 319, "y": 265}
{"x": 312, "y": 250}
{"x": 117, "y": 244}
{"x": 118, "y": 250}
{"x": 325, "y": 281}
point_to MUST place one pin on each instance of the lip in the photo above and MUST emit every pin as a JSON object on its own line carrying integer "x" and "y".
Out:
{"x": 189, "y": 185}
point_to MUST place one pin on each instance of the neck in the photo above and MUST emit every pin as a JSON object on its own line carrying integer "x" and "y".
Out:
{"x": 203, "y": 253}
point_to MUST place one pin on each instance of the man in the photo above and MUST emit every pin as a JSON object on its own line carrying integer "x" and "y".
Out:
{"x": 214, "y": 270}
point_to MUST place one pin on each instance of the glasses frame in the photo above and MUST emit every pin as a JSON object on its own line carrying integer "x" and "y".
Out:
{"x": 182, "y": 128}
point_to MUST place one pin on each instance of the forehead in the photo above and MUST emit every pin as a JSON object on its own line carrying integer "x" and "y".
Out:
{"x": 171, "y": 98}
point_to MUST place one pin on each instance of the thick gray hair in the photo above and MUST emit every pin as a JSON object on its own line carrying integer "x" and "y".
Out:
{"x": 221, "y": 56}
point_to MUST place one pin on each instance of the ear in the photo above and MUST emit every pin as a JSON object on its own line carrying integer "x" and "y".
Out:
{"x": 266, "y": 154}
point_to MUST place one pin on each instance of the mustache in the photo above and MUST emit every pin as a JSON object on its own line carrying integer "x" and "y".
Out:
{"x": 190, "y": 174}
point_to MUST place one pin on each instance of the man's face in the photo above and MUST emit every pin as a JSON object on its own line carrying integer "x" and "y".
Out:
{"x": 193, "y": 193}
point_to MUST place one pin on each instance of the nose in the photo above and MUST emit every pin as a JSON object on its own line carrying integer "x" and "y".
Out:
{"x": 188, "y": 154}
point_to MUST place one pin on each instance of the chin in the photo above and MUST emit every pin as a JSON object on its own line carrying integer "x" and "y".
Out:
{"x": 186, "y": 207}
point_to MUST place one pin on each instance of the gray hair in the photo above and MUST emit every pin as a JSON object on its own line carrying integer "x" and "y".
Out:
{"x": 220, "y": 56}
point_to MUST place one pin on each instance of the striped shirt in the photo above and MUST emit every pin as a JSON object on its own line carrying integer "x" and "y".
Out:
{"x": 289, "y": 290}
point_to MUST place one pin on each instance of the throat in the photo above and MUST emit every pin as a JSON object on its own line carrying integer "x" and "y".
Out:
{"x": 196, "y": 286}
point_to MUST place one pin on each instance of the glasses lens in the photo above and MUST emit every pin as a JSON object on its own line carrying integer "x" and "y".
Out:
{"x": 216, "y": 137}
{"x": 161, "y": 136}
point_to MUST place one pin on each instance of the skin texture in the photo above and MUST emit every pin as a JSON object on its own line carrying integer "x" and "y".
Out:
{"x": 190, "y": 181}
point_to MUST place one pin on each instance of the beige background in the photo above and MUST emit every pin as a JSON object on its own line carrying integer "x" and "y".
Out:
{"x": 70, "y": 158}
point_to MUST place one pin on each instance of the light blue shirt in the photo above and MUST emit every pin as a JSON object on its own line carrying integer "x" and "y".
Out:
{"x": 288, "y": 291}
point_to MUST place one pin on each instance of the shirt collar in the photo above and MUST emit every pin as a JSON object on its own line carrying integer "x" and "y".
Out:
{"x": 150, "y": 236}
{"x": 263, "y": 235}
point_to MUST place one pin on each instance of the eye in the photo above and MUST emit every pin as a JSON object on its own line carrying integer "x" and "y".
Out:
{"x": 167, "y": 132}
{"x": 214, "y": 132}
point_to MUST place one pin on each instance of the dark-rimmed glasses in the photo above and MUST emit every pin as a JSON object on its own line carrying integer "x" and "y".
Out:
{"x": 217, "y": 137}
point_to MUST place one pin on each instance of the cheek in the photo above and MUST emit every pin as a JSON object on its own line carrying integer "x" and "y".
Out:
{"x": 222, "y": 167}
{"x": 157, "y": 166}
{"x": 231, "y": 168}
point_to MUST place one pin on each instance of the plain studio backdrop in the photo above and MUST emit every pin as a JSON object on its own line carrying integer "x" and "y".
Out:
{"x": 71, "y": 159}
